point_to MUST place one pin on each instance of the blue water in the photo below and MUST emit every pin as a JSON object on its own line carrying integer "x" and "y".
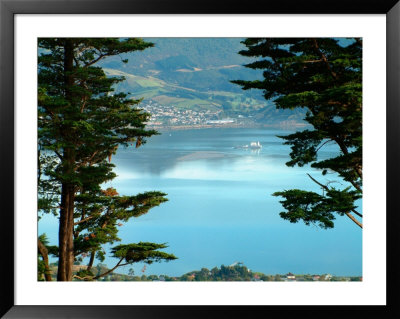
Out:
{"x": 220, "y": 208}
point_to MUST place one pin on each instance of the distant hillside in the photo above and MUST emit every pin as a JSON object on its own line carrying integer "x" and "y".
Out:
{"x": 199, "y": 63}
{"x": 195, "y": 73}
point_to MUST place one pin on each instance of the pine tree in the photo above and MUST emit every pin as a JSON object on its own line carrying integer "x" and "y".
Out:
{"x": 81, "y": 123}
{"x": 324, "y": 76}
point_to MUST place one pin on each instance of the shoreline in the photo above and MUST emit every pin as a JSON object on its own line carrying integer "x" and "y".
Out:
{"x": 284, "y": 126}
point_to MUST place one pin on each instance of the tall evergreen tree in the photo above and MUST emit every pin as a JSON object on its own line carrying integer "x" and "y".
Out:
{"x": 82, "y": 122}
{"x": 324, "y": 76}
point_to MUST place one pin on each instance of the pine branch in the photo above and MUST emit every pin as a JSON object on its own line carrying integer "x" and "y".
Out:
{"x": 58, "y": 155}
{"x": 83, "y": 220}
{"x": 322, "y": 185}
{"x": 317, "y": 49}
{"x": 111, "y": 270}
{"x": 101, "y": 56}
{"x": 356, "y": 212}
{"x": 348, "y": 214}
{"x": 86, "y": 278}
{"x": 345, "y": 151}
{"x": 353, "y": 219}
{"x": 326, "y": 142}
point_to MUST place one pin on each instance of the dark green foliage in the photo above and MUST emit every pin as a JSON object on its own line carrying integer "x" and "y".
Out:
{"x": 141, "y": 252}
{"x": 304, "y": 147}
{"x": 41, "y": 270}
{"x": 130, "y": 253}
{"x": 317, "y": 209}
{"x": 324, "y": 76}
{"x": 224, "y": 273}
{"x": 48, "y": 188}
{"x": 105, "y": 211}
{"x": 52, "y": 249}
{"x": 85, "y": 273}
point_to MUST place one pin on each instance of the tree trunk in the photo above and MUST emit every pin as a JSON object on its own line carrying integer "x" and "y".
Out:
{"x": 45, "y": 255}
{"x": 70, "y": 242}
{"x": 65, "y": 235}
{"x": 92, "y": 255}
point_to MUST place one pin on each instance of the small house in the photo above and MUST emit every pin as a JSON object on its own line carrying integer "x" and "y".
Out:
{"x": 290, "y": 276}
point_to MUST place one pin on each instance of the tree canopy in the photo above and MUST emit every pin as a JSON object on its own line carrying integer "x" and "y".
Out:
{"x": 323, "y": 76}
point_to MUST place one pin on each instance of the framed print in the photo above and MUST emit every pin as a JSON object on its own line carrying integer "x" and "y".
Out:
{"x": 175, "y": 159}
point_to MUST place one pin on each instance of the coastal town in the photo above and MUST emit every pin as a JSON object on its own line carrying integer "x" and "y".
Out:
{"x": 165, "y": 115}
{"x": 171, "y": 117}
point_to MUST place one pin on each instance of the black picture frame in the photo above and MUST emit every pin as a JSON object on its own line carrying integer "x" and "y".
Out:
{"x": 8, "y": 10}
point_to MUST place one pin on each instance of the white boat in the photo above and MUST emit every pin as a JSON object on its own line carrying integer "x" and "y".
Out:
{"x": 255, "y": 145}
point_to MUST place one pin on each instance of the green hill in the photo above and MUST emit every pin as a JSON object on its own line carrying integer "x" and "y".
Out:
{"x": 195, "y": 74}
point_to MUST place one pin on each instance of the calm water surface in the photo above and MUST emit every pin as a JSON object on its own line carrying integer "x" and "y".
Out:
{"x": 220, "y": 208}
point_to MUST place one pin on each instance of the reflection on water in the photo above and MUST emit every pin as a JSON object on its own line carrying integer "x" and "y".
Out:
{"x": 195, "y": 166}
{"x": 217, "y": 148}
